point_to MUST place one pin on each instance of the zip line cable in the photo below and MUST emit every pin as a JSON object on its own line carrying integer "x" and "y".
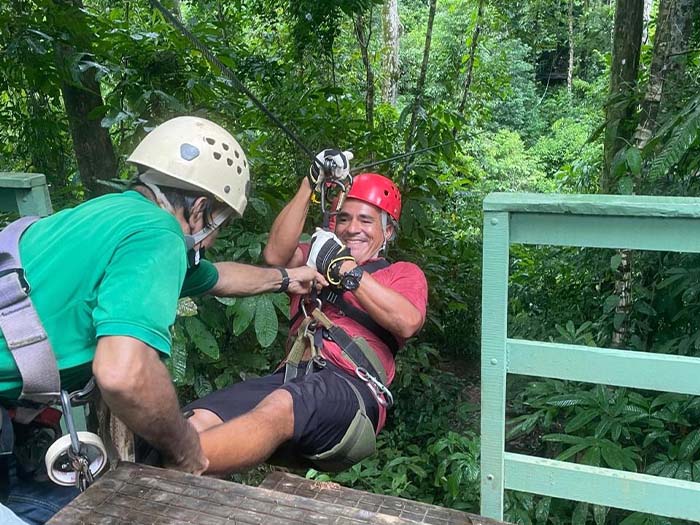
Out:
{"x": 406, "y": 154}
{"x": 231, "y": 76}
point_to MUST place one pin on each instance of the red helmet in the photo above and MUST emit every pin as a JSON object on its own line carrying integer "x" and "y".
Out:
{"x": 376, "y": 189}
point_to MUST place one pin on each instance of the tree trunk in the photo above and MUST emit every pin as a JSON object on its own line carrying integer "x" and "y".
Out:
{"x": 673, "y": 24}
{"x": 680, "y": 26}
{"x": 363, "y": 32}
{"x": 390, "y": 58}
{"x": 570, "y": 69}
{"x": 92, "y": 144}
{"x": 627, "y": 39}
{"x": 420, "y": 85}
{"x": 472, "y": 54}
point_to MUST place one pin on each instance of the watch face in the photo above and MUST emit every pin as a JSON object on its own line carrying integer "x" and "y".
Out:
{"x": 351, "y": 280}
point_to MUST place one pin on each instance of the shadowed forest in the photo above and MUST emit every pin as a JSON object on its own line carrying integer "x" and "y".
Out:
{"x": 566, "y": 96}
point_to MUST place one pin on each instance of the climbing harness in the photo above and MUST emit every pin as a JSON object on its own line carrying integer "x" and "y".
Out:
{"x": 359, "y": 440}
{"x": 76, "y": 458}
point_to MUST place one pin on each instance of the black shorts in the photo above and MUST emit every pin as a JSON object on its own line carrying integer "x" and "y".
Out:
{"x": 324, "y": 405}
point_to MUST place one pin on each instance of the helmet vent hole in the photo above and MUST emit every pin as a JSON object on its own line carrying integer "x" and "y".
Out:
{"x": 224, "y": 145}
{"x": 239, "y": 170}
{"x": 386, "y": 193}
{"x": 238, "y": 155}
{"x": 229, "y": 161}
{"x": 217, "y": 155}
{"x": 245, "y": 164}
{"x": 227, "y": 189}
{"x": 210, "y": 141}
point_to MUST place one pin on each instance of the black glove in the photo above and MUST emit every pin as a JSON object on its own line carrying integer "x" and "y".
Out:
{"x": 327, "y": 255}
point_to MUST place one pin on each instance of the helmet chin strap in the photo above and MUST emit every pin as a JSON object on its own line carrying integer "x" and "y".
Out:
{"x": 216, "y": 221}
{"x": 161, "y": 199}
{"x": 191, "y": 240}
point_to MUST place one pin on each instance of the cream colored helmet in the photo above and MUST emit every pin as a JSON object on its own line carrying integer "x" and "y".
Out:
{"x": 194, "y": 154}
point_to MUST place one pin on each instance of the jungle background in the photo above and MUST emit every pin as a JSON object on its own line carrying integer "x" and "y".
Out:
{"x": 584, "y": 96}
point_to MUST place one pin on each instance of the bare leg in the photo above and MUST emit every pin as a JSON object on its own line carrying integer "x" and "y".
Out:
{"x": 249, "y": 439}
{"x": 204, "y": 419}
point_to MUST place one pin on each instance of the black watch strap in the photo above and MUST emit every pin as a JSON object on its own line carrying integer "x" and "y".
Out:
{"x": 285, "y": 280}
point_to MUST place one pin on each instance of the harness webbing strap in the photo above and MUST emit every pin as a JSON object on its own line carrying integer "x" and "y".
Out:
{"x": 304, "y": 340}
{"x": 349, "y": 347}
{"x": 20, "y": 323}
{"x": 335, "y": 297}
{"x": 361, "y": 317}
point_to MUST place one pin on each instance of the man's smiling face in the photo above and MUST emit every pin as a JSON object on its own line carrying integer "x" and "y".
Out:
{"x": 359, "y": 226}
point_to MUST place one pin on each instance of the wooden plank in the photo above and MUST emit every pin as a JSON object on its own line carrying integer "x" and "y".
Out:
{"x": 141, "y": 495}
{"x": 606, "y": 205}
{"x": 603, "y": 365}
{"x": 333, "y": 493}
{"x": 613, "y": 488}
{"x": 639, "y": 233}
{"x": 493, "y": 366}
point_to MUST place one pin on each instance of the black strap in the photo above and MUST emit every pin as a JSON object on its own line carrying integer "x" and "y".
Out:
{"x": 344, "y": 341}
{"x": 334, "y": 296}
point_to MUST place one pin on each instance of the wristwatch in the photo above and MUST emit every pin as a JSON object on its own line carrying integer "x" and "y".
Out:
{"x": 351, "y": 280}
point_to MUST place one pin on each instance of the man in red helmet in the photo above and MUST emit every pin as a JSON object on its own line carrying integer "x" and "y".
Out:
{"x": 325, "y": 406}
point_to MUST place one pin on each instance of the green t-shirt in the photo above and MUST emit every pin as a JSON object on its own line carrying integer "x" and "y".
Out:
{"x": 114, "y": 265}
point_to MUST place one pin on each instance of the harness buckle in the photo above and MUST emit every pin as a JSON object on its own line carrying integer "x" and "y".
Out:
{"x": 20, "y": 275}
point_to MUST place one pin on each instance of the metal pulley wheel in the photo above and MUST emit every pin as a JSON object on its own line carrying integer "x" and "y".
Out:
{"x": 61, "y": 461}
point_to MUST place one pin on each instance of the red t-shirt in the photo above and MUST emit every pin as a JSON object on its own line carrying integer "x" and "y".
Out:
{"x": 402, "y": 277}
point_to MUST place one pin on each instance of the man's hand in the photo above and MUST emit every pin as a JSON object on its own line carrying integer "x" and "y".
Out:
{"x": 327, "y": 254}
{"x": 137, "y": 388}
{"x": 330, "y": 164}
{"x": 193, "y": 461}
{"x": 302, "y": 279}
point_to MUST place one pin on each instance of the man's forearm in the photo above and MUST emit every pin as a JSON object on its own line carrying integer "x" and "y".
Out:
{"x": 287, "y": 228}
{"x": 240, "y": 280}
{"x": 136, "y": 386}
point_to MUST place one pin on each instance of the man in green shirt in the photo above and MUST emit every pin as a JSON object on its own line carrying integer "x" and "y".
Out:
{"x": 106, "y": 276}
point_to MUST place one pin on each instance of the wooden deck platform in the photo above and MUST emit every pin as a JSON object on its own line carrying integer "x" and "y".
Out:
{"x": 140, "y": 495}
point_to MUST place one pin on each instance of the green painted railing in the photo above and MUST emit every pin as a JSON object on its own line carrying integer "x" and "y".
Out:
{"x": 595, "y": 221}
{"x": 25, "y": 193}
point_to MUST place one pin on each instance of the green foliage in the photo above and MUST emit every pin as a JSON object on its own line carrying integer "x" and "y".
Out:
{"x": 424, "y": 453}
{"x": 521, "y": 130}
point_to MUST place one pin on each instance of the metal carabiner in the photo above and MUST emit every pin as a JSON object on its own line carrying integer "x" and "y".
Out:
{"x": 381, "y": 393}
{"x": 70, "y": 424}
{"x": 82, "y": 396}
{"x": 303, "y": 306}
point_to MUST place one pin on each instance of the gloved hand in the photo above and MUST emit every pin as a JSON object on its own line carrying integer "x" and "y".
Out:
{"x": 327, "y": 255}
{"x": 337, "y": 162}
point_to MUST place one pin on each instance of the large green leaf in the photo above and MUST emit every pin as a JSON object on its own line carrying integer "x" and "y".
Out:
{"x": 243, "y": 313}
{"x": 266, "y": 323}
{"x": 178, "y": 356}
{"x": 202, "y": 338}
